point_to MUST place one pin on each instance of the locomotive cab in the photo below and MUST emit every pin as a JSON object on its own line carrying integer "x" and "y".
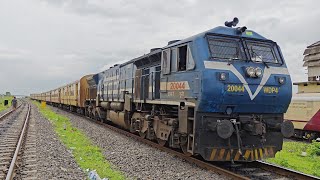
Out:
{"x": 246, "y": 89}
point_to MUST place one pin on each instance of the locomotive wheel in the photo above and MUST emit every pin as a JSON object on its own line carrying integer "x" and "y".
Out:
{"x": 161, "y": 142}
{"x": 184, "y": 149}
{"x": 312, "y": 137}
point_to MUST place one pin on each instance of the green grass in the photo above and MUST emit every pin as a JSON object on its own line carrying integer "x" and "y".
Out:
{"x": 291, "y": 157}
{"x": 2, "y": 107}
{"x": 87, "y": 155}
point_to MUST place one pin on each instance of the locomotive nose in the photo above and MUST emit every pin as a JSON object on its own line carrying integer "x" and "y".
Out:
{"x": 287, "y": 129}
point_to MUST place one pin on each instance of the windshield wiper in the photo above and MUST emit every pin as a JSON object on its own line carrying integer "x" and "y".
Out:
{"x": 235, "y": 57}
{"x": 256, "y": 55}
{"x": 230, "y": 61}
{"x": 265, "y": 63}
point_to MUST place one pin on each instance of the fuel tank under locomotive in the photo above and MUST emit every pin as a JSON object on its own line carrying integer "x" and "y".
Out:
{"x": 115, "y": 113}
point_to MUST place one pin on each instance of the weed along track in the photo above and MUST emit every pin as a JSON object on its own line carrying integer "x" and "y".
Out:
{"x": 135, "y": 159}
{"x": 54, "y": 159}
{"x": 254, "y": 170}
{"x": 29, "y": 148}
{"x": 87, "y": 155}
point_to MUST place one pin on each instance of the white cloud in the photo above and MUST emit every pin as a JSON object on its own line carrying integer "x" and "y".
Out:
{"x": 44, "y": 44}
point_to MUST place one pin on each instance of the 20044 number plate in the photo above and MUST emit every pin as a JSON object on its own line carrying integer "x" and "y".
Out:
{"x": 234, "y": 88}
{"x": 240, "y": 88}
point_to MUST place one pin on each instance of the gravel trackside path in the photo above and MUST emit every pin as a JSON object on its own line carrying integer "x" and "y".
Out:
{"x": 54, "y": 160}
{"x": 4, "y": 111}
{"x": 137, "y": 160}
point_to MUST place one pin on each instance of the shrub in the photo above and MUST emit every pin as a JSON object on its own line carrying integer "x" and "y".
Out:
{"x": 284, "y": 162}
{"x": 314, "y": 149}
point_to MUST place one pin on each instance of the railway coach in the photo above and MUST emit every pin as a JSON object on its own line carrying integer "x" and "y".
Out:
{"x": 220, "y": 94}
{"x": 71, "y": 96}
{"x": 304, "y": 110}
{"x": 304, "y": 113}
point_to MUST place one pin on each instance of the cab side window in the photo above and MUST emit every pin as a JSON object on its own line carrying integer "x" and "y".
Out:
{"x": 182, "y": 58}
{"x": 173, "y": 59}
{"x": 165, "y": 65}
{"x": 190, "y": 62}
{"x": 177, "y": 59}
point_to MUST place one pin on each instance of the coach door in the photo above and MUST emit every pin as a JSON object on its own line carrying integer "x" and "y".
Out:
{"x": 154, "y": 90}
{"x": 59, "y": 96}
{"x": 137, "y": 84}
{"x": 145, "y": 84}
{"x": 165, "y": 73}
{"x": 141, "y": 84}
{"x": 100, "y": 90}
{"x": 77, "y": 94}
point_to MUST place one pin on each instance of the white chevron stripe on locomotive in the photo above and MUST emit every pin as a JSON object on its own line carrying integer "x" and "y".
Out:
{"x": 266, "y": 74}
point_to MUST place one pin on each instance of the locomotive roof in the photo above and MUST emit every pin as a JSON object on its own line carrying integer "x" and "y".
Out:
{"x": 222, "y": 31}
{"x": 219, "y": 31}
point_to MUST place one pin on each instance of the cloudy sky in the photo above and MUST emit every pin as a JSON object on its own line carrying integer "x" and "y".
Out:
{"x": 44, "y": 44}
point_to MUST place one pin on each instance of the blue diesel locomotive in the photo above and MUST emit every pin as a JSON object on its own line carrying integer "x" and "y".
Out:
{"x": 220, "y": 94}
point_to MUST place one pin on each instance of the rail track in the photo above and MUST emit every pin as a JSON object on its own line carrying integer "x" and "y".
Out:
{"x": 14, "y": 137}
{"x": 264, "y": 170}
{"x": 8, "y": 113}
{"x": 253, "y": 170}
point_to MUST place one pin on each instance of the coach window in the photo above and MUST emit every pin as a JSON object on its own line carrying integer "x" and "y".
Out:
{"x": 190, "y": 61}
{"x": 165, "y": 67}
{"x": 173, "y": 60}
{"x": 182, "y": 58}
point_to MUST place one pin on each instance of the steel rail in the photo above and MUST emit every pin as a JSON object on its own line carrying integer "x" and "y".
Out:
{"x": 9, "y": 112}
{"x": 14, "y": 159}
{"x": 284, "y": 171}
{"x": 193, "y": 160}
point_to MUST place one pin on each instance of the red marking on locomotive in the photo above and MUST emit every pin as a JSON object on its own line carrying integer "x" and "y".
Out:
{"x": 177, "y": 85}
{"x": 314, "y": 123}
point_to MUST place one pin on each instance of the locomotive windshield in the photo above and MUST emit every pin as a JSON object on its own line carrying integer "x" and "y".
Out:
{"x": 232, "y": 49}
{"x": 262, "y": 52}
{"x": 225, "y": 48}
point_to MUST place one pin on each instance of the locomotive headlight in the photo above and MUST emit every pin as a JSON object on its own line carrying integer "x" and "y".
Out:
{"x": 281, "y": 80}
{"x": 251, "y": 71}
{"x": 223, "y": 76}
{"x": 259, "y": 72}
